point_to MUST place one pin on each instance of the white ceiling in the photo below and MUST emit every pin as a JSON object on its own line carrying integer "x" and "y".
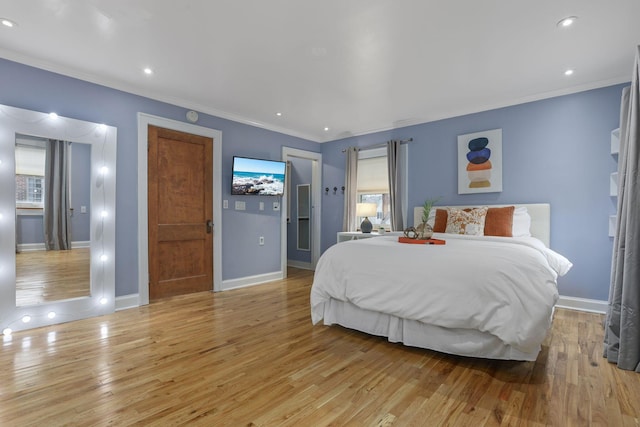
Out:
{"x": 354, "y": 66}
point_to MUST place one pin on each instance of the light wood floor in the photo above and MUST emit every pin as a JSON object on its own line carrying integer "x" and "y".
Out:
{"x": 45, "y": 276}
{"x": 250, "y": 357}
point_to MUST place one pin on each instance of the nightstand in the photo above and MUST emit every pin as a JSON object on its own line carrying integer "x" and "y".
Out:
{"x": 344, "y": 236}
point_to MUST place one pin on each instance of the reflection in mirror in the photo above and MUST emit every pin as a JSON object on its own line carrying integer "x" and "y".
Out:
{"x": 52, "y": 236}
{"x": 36, "y": 290}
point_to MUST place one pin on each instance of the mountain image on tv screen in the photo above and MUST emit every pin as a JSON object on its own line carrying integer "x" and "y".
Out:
{"x": 258, "y": 177}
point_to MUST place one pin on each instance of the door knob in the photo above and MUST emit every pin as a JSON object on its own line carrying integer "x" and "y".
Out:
{"x": 209, "y": 226}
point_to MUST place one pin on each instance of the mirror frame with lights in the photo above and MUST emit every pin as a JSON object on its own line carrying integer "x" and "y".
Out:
{"x": 103, "y": 141}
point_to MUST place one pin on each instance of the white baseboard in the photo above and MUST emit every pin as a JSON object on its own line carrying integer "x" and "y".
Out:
{"x": 31, "y": 247}
{"x": 132, "y": 300}
{"x": 582, "y": 304}
{"x": 243, "y": 282}
{"x": 127, "y": 301}
{"x": 300, "y": 264}
{"x": 81, "y": 244}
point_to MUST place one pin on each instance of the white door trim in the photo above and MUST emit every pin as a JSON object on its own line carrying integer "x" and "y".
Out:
{"x": 144, "y": 120}
{"x": 316, "y": 206}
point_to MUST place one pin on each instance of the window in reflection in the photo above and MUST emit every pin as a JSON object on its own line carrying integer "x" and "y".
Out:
{"x": 30, "y": 160}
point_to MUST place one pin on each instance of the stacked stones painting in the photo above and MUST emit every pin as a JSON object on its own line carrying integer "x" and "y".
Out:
{"x": 480, "y": 162}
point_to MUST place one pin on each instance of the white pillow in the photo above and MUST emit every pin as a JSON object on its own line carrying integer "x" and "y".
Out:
{"x": 432, "y": 216}
{"x": 521, "y": 222}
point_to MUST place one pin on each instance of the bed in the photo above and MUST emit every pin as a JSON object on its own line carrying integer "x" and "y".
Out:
{"x": 476, "y": 295}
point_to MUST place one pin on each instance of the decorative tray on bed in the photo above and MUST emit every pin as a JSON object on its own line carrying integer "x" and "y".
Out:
{"x": 402, "y": 239}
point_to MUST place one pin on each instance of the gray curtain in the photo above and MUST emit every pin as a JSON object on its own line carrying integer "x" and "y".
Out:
{"x": 395, "y": 184}
{"x": 350, "y": 190}
{"x": 622, "y": 327}
{"x": 57, "y": 230}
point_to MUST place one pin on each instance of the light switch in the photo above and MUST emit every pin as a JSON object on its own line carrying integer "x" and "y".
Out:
{"x": 261, "y": 206}
{"x": 225, "y": 204}
{"x": 276, "y": 206}
{"x": 241, "y": 206}
{"x": 83, "y": 209}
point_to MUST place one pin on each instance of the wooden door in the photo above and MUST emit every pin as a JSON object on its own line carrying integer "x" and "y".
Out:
{"x": 180, "y": 195}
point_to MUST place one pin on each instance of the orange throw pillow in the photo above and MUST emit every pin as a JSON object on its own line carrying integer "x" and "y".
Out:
{"x": 499, "y": 222}
{"x": 440, "y": 223}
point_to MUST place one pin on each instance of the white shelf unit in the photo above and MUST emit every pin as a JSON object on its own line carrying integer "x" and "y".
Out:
{"x": 613, "y": 184}
{"x": 612, "y": 224}
{"x": 613, "y": 180}
{"x": 615, "y": 142}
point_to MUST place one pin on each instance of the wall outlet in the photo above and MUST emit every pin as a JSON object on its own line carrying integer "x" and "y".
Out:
{"x": 261, "y": 240}
{"x": 276, "y": 206}
{"x": 225, "y": 204}
{"x": 241, "y": 206}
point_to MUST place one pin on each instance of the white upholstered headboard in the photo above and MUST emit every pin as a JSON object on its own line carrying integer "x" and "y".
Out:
{"x": 540, "y": 218}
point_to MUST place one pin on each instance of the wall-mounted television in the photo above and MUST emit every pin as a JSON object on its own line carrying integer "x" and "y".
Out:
{"x": 258, "y": 177}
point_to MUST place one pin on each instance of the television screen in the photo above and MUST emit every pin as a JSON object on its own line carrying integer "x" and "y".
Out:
{"x": 258, "y": 177}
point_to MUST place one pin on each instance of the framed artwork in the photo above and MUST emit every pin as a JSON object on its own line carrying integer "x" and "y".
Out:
{"x": 480, "y": 162}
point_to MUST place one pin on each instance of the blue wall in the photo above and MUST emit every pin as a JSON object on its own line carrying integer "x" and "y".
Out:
{"x": 34, "y": 89}
{"x": 29, "y": 229}
{"x": 80, "y": 192}
{"x": 555, "y": 151}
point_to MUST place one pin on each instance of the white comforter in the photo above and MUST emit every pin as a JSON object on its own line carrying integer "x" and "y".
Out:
{"x": 502, "y": 286}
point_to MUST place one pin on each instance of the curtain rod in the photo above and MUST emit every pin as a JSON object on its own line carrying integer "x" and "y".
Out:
{"x": 382, "y": 144}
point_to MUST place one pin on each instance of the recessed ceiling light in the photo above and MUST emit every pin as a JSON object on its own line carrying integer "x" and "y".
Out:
{"x": 8, "y": 22}
{"x": 568, "y": 72}
{"x": 148, "y": 71}
{"x": 326, "y": 129}
{"x": 279, "y": 114}
{"x": 567, "y": 22}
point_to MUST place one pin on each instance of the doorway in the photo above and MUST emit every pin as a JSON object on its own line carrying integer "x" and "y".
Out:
{"x": 144, "y": 120}
{"x": 315, "y": 159}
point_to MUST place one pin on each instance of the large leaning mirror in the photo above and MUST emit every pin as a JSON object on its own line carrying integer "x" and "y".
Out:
{"x": 57, "y": 219}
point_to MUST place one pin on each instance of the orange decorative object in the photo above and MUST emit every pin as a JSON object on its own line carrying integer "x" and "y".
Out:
{"x": 421, "y": 241}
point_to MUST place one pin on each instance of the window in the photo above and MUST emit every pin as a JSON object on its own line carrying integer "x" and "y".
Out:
{"x": 29, "y": 189}
{"x": 29, "y": 175}
{"x": 373, "y": 185}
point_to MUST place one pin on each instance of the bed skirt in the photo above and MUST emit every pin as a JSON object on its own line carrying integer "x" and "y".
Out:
{"x": 463, "y": 342}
